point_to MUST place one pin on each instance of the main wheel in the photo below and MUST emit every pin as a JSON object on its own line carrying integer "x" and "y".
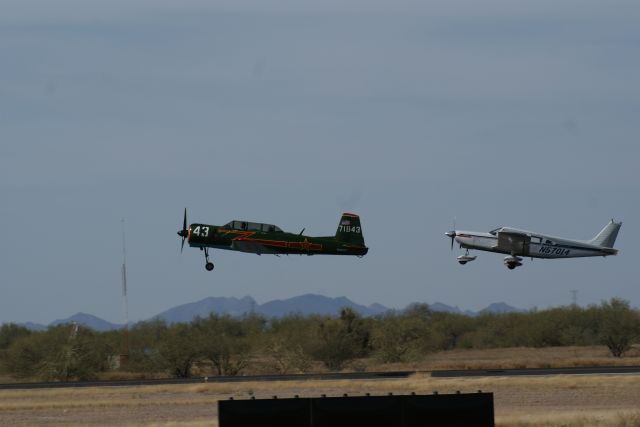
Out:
{"x": 209, "y": 266}
{"x": 511, "y": 266}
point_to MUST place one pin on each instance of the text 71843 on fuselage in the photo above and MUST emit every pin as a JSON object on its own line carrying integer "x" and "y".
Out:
{"x": 521, "y": 243}
{"x": 259, "y": 238}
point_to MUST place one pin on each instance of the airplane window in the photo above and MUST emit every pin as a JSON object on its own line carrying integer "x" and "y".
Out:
{"x": 268, "y": 228}
{"x": 495, "y": 231}
{"x": 548, "y": 242}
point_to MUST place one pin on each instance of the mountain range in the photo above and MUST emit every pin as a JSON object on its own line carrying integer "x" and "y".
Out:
{"x": 304, "y": 305}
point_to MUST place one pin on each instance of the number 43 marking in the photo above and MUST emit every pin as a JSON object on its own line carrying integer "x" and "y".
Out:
{"x": 201, "y": 231}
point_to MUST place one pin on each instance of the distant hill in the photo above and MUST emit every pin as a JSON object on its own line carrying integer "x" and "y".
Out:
{"x": 88, "y": 320}
{"x": 316, "y": 304}
{"x": 218, "y": 305}
{"x": 438, "y": 306}
{"x": 34, "y": 326}
{"x": 499, "y": 308}
{"x": 304, "y": 305}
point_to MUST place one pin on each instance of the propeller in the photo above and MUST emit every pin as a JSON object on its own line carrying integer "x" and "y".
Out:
{"x": 452, "y": 233}
{"x": 184, "y": 233}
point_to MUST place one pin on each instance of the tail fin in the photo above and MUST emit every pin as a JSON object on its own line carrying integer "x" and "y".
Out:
{"x": 607, "y": 237}
{"x": 349, "y": 230}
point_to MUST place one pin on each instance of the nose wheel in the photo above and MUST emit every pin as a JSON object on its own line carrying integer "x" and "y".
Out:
{"x": 463, "y": 259}
{"x": 512, "y": 262}
{"x": 209, "y": 265}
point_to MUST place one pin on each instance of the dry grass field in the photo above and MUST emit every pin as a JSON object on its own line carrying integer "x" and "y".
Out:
{"x": 518, "y": 357}
{"x": 605, "y": 400}
{"x": 571, "y": 401}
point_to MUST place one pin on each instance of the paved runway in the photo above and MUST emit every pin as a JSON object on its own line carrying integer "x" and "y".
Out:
{"x": 600, "y": 370}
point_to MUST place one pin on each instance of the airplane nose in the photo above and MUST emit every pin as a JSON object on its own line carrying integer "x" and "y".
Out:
{"x": 452, "y": 235}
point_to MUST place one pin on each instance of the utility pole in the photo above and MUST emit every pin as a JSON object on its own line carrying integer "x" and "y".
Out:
{"x": 124, "y": 352}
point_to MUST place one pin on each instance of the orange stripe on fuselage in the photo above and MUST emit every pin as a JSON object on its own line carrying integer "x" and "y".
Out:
{"x": 284, "y": 244}
{"x": 245, "y": 236}
{"x": 241, "y": 233}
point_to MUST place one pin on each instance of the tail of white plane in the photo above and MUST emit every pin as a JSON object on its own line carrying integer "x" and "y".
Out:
{"x": 607, "y": 237}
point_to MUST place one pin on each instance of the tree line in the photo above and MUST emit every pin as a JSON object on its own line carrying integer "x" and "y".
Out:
{"x": 224, "y": 345}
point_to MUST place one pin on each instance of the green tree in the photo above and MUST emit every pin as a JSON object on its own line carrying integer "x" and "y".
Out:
{"x": 62, "y": 353}
{"x": 620, "y": 326}
{"x": 290, "y": 342}
{"x": 227, "y": 342}
{"x": 287, "y": 356}
{"x": 145, "y": 340}
{"x": 342, "y": 340}
{"x": 9, "y": 332}
{"x": 25, "y": 357}
{"x": 398, "y": 338}
{"x": 449, "y": 328}
{"x": 179, "y": 349}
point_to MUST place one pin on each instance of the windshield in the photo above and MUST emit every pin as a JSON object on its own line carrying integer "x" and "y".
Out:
{"x": 252, "y": 226}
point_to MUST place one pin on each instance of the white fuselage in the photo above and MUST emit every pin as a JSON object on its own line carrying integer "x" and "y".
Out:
{"x": 540, "y": 246}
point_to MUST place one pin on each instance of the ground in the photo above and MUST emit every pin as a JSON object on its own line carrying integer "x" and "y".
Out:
{"x": 568, "y": 400}
{"x": 579, "y": 400}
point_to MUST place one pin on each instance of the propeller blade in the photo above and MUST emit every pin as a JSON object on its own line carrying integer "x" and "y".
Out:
{"x": 184, "y": 223}
{"x": 452, "y": 233}
{"x": 184, "y": 233}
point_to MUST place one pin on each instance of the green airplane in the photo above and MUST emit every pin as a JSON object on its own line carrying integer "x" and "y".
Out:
{"x": 259, "y": 238}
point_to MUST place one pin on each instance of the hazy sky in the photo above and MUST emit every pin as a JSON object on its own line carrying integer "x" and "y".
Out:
{"x": 409, "y": 113}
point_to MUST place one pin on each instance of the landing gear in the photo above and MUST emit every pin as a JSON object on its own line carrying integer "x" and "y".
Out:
{"x": 209, "y": 264}
{"x": 512, "y": 262}
{"x": 463, "y": 259}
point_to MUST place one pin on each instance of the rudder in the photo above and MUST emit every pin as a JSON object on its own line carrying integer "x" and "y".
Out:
{"x": 350, "y": 230}
{"x": 607, "y": 237}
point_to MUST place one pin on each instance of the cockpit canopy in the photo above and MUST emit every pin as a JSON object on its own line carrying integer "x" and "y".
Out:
{"x": 253, "y": 226}
{"x": 495, "y": 230}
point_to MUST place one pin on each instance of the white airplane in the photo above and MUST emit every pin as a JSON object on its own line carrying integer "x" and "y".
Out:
{"x": 521, "y": 243}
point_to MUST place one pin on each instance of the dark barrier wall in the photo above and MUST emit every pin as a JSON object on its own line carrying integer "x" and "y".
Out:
{"x": 434, "y": 410}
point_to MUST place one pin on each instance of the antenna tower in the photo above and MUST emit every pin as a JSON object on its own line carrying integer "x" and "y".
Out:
{"x": 574, "y": 297}
{"x": 124, "y": 353}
